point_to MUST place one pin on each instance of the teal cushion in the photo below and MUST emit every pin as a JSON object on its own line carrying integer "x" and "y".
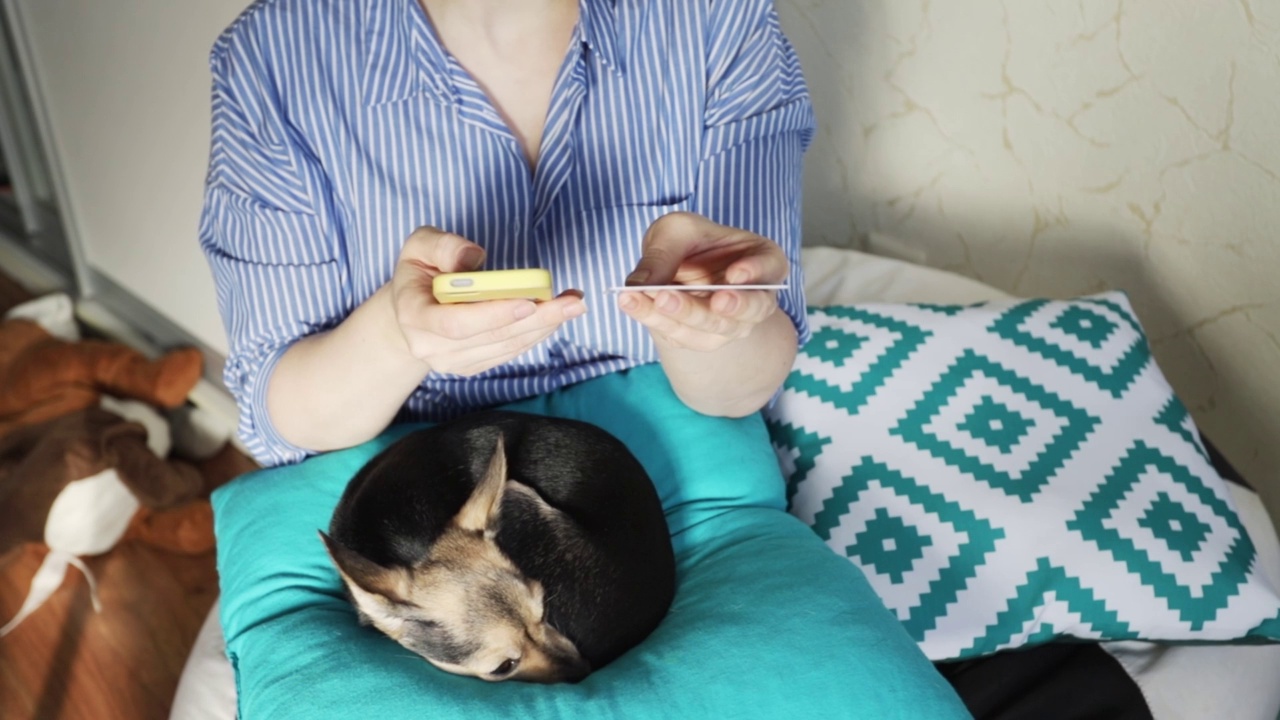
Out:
{"x": 766, "y": 623}
{"x": 1013, "y": 472}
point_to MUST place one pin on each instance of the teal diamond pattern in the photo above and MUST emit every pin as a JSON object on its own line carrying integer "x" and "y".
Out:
{"x": 960, "y": 568}
{"x": 889, "y": 545}
{"x": 1269, "y": 628}
{"x": 948, "y": 310}
{"x": 834, "y": 346}
{"x": 995, "y": 424}
{"x": 1027, "y": 601}
{"x": 908, "y": 338}
{"x": 1183, "y": 532}
{"x": 1174, "y": 416}
{"x": 803, "y": 445}
{"x": 955, "y": 454}
{"x": 1089, "y": 521}
{"x": 1085, "y": 325}
{"x": 1077, "y": 424}
{"x": 1115, "y": 380}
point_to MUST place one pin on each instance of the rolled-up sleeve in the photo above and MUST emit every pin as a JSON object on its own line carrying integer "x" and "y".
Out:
{"x": 759, "y": 121}
{"x": 268, "y": 231}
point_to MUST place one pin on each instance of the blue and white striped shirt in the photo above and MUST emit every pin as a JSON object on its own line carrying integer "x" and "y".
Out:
{"x": 340, "y": 126}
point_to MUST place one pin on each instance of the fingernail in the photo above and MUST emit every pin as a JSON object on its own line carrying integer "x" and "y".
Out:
{"x": 638, "y": 277}
{"x": 737, "y": 276}
{"x": 574, "y": 310}
{"x": 668, "y": 302}
{"x": 471, "y": 258}
{"x": 728, "y": 304}
{"x": 524, "y": 310}
{"x": 627, "y": 302}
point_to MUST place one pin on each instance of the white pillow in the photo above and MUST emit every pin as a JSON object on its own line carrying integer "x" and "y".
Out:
{"x": 1013, "y": 472}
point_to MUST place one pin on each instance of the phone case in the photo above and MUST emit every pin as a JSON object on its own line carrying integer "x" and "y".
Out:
{"x": 531, "y": 284}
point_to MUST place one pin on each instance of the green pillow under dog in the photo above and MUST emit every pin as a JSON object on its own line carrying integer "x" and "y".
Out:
{"x": 766, "y": 623}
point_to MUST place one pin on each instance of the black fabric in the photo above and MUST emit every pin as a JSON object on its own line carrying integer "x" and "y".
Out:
{"x": 1220, "y": 463}
{"x": 1055, "y": 681}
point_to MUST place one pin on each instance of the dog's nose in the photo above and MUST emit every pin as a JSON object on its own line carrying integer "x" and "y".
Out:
{"x": 575, "y": 670}
{"x": 561, "y": 670}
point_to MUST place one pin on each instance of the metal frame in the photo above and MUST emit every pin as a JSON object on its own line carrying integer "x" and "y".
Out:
{"x": 70, "y": 235}
{"x": 17, "y": 139}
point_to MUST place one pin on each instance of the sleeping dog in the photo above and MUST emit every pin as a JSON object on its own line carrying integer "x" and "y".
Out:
{"x": 506, "y": 546}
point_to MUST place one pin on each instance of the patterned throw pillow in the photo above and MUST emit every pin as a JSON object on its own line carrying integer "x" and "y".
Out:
{"x": 1014, "y": 471}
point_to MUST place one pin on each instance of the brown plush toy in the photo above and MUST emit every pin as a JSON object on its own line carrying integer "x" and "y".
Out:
{"x": 76, "y": 470}
{"x": 38, "y": 462}
{"x": 76, "y": 483}
{"x": 43, "y": 377}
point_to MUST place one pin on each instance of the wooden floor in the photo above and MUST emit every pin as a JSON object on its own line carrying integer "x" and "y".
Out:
{"x": 66, "y": 661}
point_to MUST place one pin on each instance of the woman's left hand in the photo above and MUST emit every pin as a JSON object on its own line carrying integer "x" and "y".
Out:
{"x": 688, "y": 249}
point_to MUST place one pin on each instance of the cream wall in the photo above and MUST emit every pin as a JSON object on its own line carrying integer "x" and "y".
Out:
{"x": 125, "y": 91}
{"x": 1057, "y": 148}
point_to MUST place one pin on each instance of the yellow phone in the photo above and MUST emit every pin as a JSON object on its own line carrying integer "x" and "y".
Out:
{"x": 529, "y": 284}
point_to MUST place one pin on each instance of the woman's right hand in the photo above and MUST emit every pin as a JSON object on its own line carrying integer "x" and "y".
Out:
{"x": 465, "y": 338}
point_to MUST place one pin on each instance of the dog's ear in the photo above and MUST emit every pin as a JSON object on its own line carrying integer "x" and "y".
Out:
{"x": 480, "y": 512}
{"x": 365, "y": 578}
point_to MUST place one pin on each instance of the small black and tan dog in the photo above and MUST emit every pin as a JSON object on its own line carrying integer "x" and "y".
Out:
{"x": 506, "y": 546}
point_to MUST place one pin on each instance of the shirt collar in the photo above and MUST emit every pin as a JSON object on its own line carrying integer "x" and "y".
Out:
{"x": 405, "y": 58}
{"x": 598, "y": 22}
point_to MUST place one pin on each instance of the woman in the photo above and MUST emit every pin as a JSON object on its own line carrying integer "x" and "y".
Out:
{"x": 361, "y": 148}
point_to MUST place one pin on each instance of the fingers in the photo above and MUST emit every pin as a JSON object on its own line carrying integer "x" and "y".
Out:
{"x": 700, "y": 323}
{"x": 477, "y": 352}
{"x": 495, "y": 320}
{"x": 721, "y": 308}
{"x": 745, "y": 306}
{"x": 659, "y": 315}
{"x": 471, "y": 360}
{"x": 666, "y": 243}
{"x": 426, "y": 253}
{"x": 687, "y": 248}
{"x": 441, "y": 251}
{"x": 467, "y": 338}
{"x": 765, "y": 264}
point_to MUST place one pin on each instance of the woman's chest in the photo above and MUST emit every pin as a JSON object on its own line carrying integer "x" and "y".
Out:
{"x": 609, "y": 137}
